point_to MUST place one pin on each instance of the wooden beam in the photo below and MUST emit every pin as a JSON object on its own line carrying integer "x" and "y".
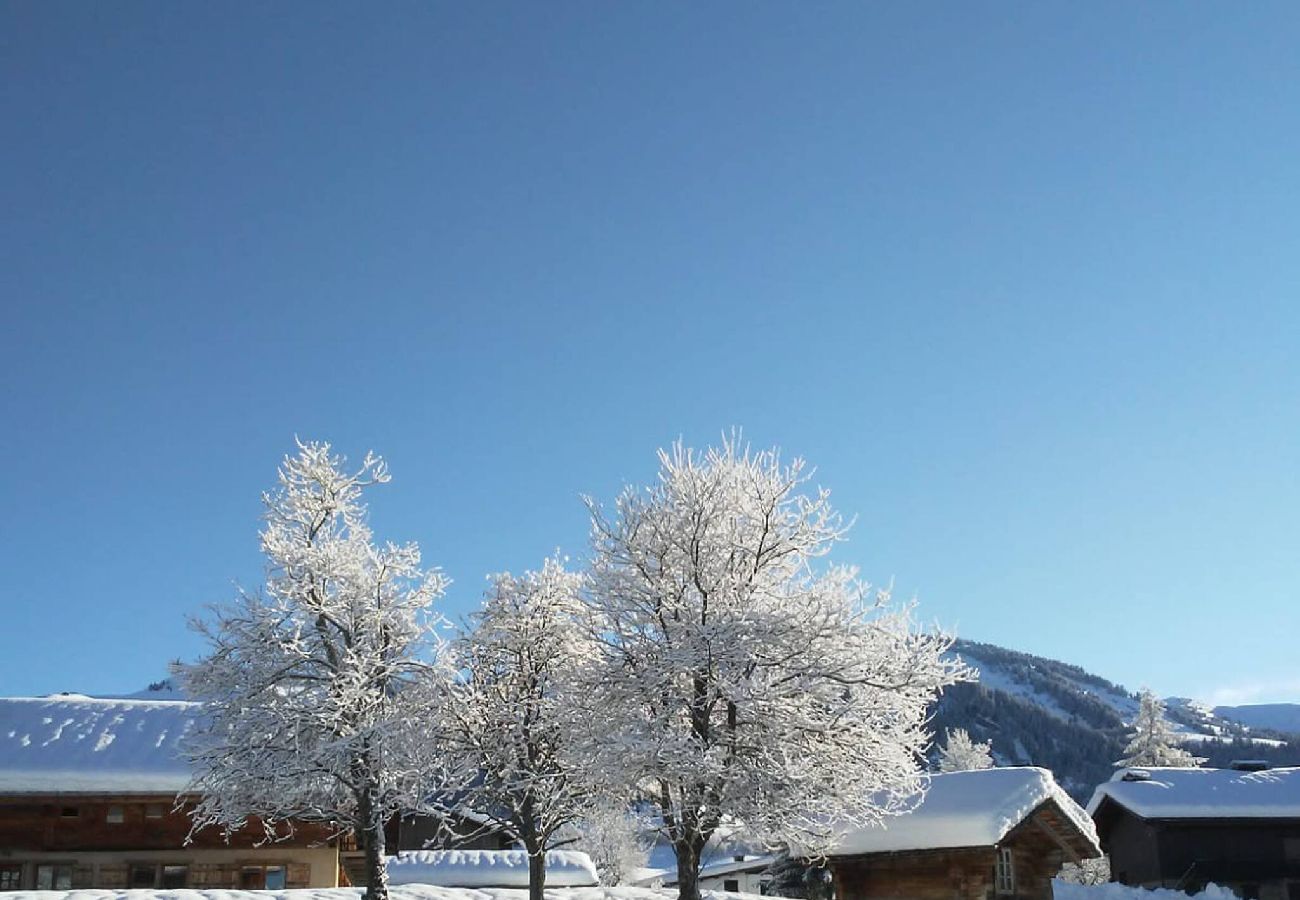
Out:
{"x": 1060, "y": 841}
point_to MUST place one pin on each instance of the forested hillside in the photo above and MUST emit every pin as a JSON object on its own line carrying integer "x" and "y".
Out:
{"x": 1039, "y": 711}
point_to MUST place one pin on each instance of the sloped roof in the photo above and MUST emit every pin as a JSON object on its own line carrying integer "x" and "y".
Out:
{"x": 73, "y": 744}
{"x": 1165, "y": 793}
{"x": 968, "y": 809}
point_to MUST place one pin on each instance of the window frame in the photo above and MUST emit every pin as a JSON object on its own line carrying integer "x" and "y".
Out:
{"x": 139, "y": 866}
{"x": 1004, "y": 873}
{"x": 14, "y": 869}
{"x": 184, "y": 870}
{"x": 55, "y": 869}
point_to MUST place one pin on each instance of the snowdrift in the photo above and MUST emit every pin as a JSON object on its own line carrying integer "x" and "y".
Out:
{"x": 399, "y": 892}
{"x": 489, "y": 868}
{"x": 1111, "y": 891}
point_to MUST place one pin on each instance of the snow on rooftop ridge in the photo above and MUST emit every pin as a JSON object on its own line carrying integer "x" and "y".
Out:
{"x": 968, "y": 809}
{"x": 489, "y": 868}
{"x": 1168, "y": 793}
{"x": 73, "y": 744}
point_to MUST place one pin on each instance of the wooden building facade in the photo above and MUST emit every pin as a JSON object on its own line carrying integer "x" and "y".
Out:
{"x": 88, "y": 799}
{"x": 993, "y": 834}
{"x": 1185, "y": 828}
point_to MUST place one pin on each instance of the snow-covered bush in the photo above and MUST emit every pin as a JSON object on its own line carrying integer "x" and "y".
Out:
{"x": 1091, "y": 871}
{"x": 616, "y": 840}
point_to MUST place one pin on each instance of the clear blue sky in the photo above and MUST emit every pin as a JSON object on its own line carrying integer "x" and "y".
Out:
{"x": 1020, "y": 279}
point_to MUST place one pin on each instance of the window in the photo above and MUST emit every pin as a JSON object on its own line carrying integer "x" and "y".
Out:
{"x": 153, "y": 811}
{"x": 143, "y": 876}
{"x": 259, "y": 878}
{"x": 116, "y": 815}
{"x": 54, "y": 877}
{"x": 68, "y": 812}
{"x": 731, "y": 885}
{"x": 175, "y": 876}
{"x": 1004, "y": 873}
{"x": 11, "y": 876}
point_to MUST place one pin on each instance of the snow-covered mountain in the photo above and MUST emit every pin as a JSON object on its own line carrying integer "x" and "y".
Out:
{"x": 1048, "y": 713}
{"x": 1283, "y": 718}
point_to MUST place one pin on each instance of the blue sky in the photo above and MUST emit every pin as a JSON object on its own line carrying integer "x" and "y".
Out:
{"x": 1020, "y": 280}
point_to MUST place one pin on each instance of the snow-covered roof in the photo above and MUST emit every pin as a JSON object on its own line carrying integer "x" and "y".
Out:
{"x": 489, "y": 868}
{"x": 1164, "y": 793}
{"x": 729, "y": 866}
{"x": 73, "y": 744}
{"x": 967, "y": 809}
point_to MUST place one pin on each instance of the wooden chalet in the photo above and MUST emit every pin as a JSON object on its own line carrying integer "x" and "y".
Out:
{"x": 992, "y": 834}
{"x": 89, "y": 799}
{"x": 1183, "y": 828}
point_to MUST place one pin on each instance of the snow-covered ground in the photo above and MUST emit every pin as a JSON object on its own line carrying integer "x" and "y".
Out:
{"x": 1111, "y": 891}
{"x": 398, "y": 892}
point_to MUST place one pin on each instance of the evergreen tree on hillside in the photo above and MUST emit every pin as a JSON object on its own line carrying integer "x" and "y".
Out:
{"x": 962, "y": 754}
{"x": 1154, "y": 742}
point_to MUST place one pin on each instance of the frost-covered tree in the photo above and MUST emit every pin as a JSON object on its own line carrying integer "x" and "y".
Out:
{"x": 742, "y": 679}
{"x": 1154, "y": 741}
{"x": 616, "y": 840}
{"x": 315, "y": 689}
{"x": 961, "y": 753}
{"x": 513, "y": 728}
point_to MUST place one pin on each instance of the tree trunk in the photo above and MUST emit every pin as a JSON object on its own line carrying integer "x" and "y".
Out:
{"x": 373, "y": 842}
{"x": 688, "y": 869}
{"x": 536, "y": 867}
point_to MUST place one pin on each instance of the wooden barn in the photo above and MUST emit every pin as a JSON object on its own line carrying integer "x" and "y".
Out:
{"x": 981, "y": 835}
{"x": 1183, "y": 828}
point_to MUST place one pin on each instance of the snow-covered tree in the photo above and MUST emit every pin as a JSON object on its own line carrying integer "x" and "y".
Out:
{"x": 616, "y": 840}
{"x": 961, "y": 753}
{"x": 315, "y": 689}
{"x": 513, "y": 726}
{"x": 742, "y": 679}
{"x": 1154, "y": 741}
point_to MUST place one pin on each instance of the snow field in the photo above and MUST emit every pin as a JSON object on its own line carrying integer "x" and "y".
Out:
{"x": 397, "y": 892}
